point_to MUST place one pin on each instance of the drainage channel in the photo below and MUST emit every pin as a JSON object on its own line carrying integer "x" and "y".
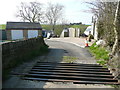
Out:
{"x": 70, "y": 72}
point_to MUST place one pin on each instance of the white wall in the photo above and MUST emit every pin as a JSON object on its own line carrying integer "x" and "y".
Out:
{"x": 17, "y": 34}
{"x": 96, "y": 33}
{"x": 71, "y": 32}
{"x": 32, "y": 33}
{"x": 77, "y": 32}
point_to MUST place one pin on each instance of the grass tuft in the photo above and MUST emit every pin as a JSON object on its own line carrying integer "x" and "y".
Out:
{"x": 99, "y": 53}
{"x": 69, "y": 59}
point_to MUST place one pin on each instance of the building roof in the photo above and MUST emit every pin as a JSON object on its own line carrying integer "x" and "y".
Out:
{"x": 23, "y": 26}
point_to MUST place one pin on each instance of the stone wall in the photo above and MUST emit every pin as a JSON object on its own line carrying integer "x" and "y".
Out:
{"x": 18, "y": 51}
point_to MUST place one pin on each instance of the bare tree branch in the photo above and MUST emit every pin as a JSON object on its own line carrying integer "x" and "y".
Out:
{"x": 116, "y": 28}
{"x": 54, "y": 13}
{"x": 31, "y": 12}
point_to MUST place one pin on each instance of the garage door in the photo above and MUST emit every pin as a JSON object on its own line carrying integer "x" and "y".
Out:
{"x": 17, "y": 34}
{"x": 32, "y": 33}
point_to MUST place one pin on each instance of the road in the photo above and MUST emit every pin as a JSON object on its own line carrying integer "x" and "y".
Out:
{"x": 60, "y": 49}
{"x": 56, "y": 52}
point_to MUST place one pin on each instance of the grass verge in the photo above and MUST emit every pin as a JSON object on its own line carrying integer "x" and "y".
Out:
{"x": 2, "y": 26}
{"x": 69, "y": 59}
{"x": 100, "y": 54}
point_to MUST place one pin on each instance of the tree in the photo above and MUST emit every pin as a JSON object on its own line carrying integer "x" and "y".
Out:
{"x": 31, "y": 12}
{"x": 116, "y": 29}
{"x": 54, "y": 14}
{"x": 108, "y": 22}
{"x": 105, "y": 13}
{"x": 108, "y": 14}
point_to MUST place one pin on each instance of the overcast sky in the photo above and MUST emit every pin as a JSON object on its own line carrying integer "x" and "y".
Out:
{"x": 73, "y": 10}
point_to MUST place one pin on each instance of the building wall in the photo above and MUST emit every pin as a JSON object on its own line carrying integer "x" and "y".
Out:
{"x": 39, "y": 32}
{"x": 25, "y": 34}
{"x": 8, "y": 32}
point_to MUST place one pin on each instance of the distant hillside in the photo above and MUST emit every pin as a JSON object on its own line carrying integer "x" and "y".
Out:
{"x": 58, "y": 28}
{"x": 2, "y": 26}
{"x": 82, "y": 27}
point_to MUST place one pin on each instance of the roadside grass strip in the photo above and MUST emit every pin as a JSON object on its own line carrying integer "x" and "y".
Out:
{"x": 69, "y": 59}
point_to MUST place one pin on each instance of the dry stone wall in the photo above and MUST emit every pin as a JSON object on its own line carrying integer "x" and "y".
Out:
{"x": 19, "y": 51}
